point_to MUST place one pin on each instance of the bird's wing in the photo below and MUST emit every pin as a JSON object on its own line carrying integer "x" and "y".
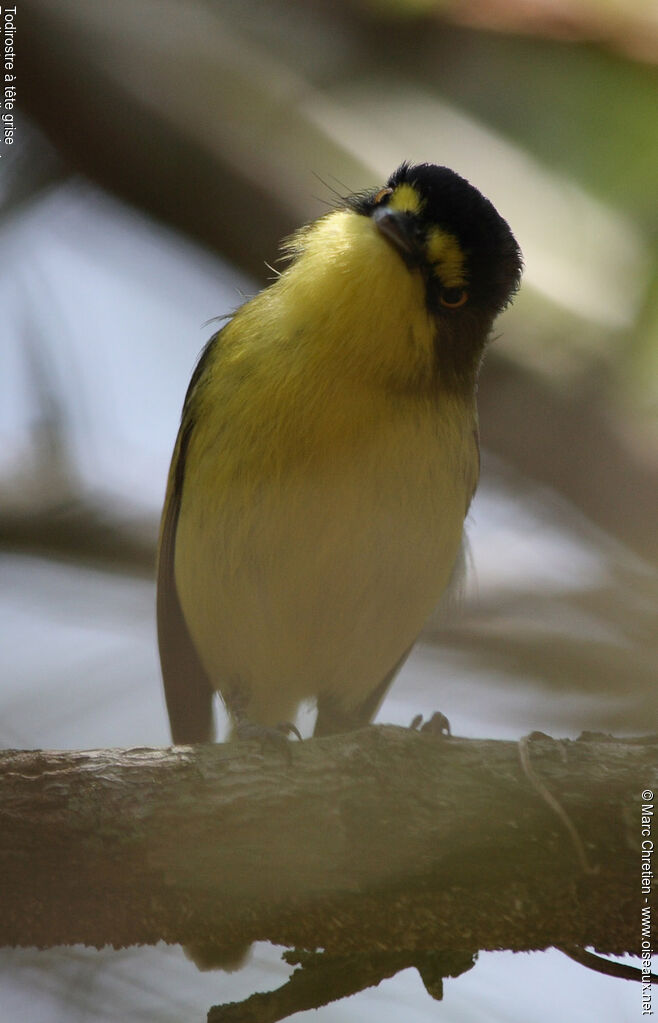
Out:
{"x": 187, "y": 688}
{"x": 476, "y": 466}
{"x": 188, "y": 692}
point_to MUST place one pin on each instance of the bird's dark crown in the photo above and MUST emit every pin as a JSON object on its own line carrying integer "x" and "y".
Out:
{"x": 492, "y": 259}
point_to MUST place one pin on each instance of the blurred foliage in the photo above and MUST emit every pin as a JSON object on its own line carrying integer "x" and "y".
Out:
{"x": 578, "y": 108}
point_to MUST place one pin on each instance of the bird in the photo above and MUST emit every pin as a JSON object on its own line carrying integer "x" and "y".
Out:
{"x": 327, "y": 456}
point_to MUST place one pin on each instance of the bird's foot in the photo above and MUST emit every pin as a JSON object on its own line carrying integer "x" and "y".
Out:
{"x": 266, "y": 735}
{"x": 437, "y": 725}
{"x": 246, "y": 729}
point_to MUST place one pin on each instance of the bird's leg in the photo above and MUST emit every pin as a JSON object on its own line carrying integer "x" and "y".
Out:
{"x": 245, "y": 728}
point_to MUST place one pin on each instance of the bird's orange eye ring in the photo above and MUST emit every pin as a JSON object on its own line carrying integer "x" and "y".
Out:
{"x": 381, "y": 194}
{"x": 453, "y": 298}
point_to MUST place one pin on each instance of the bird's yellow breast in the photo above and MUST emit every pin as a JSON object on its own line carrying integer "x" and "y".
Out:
{"x": 326, "y": 478}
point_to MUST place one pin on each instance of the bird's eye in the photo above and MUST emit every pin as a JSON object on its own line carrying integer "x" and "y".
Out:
{"x": 453, "y": 298}
{"x": 381, "y": 195}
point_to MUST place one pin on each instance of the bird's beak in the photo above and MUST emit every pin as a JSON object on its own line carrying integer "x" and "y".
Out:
{"x": 398, "y": 230}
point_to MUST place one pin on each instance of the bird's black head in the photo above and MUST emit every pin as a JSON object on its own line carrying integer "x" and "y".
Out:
{"x": 444, "y": 228}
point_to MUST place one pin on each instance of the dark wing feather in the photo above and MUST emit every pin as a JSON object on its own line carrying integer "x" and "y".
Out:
{"x": 187, "y": 688}
{"x": 478, "y": 463}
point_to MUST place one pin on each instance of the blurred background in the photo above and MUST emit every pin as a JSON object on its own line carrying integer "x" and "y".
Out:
{"x": 161, "y": 151}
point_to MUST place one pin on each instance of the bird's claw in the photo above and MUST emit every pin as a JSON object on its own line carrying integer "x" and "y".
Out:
{"x": 287, "y": 728}
{"x": 267, "y": 736}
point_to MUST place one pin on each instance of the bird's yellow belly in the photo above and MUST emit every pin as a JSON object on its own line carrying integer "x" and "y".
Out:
{"x": 331, "y": 572}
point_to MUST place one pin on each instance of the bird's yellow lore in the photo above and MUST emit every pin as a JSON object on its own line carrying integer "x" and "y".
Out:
{"x": 327, "y": 457}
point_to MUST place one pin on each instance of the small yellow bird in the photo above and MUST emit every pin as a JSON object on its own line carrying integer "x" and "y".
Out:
{"x": 326, "y": 459}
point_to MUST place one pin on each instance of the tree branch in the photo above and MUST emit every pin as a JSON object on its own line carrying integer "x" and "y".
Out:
{"x": 384, "y": 838}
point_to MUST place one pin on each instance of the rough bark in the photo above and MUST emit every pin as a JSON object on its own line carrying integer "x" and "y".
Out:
{"x": 384, "y": 839}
